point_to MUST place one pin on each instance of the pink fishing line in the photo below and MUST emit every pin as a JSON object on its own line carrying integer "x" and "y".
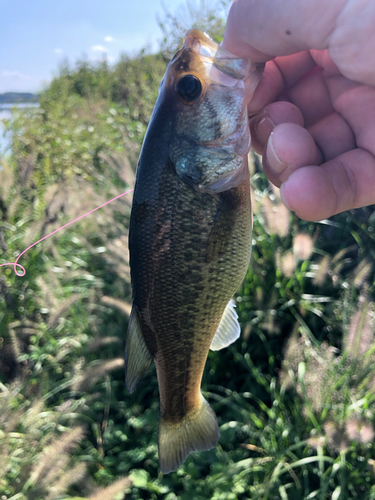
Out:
{"x": 59, "y": 229}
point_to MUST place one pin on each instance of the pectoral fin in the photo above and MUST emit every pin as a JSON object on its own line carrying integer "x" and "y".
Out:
{"x": 229, "y": 329}
{"x": 137, "y": 356}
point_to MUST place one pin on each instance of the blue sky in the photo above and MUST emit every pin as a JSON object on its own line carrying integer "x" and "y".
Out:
{"x": 35, "y": 35}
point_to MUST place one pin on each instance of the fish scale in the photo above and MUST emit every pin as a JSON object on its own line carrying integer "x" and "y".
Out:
{"x": 190, "y": 236}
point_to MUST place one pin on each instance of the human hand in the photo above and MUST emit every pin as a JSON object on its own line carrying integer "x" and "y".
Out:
{"x": 314, "y": 108}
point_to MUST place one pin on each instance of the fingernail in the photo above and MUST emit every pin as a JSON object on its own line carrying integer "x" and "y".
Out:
{"x": 273, "y": 160}
{"x": 282, "y": 196}
{"x": 263, "y": 127}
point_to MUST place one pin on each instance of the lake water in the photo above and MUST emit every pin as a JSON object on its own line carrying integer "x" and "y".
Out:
{"x": 19, "y": 105}
{"x": 6, "y": 112}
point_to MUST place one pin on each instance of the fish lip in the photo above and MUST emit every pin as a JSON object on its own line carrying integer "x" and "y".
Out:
{"x": 207, "y": 49}
{"x": 176, "y": 55}
{"x": 196, "y": 39}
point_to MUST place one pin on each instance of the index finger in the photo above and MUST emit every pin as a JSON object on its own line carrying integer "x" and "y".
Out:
{"x": 279, "y": 75}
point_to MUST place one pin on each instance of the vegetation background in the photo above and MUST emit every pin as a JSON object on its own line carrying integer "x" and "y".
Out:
{"x": 294, "y": 395}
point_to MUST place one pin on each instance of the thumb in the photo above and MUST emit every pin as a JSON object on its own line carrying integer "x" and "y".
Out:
{"x": 264, "y": 29}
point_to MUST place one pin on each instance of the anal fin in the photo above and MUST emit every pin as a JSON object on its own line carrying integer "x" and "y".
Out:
{"x": 229, "y": 329}
{"x": 137, "y": 356}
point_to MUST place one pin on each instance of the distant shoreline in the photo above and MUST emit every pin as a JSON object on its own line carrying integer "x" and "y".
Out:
{"x": 12, "y": 98}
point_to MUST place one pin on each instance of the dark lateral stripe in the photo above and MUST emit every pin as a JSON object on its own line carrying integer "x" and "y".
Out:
{"x": 215, "y": 123}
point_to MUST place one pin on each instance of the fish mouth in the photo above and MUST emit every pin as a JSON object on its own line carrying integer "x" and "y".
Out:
{"x": 222, "y": 60}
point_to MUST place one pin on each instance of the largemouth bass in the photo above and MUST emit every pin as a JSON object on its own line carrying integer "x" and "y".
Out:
{"x": 190, "y": 236}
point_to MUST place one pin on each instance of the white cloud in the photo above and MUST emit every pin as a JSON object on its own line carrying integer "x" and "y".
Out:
{"x": 108, "y": 39}
{"x": 58, "y": 51}
{"x": 99, "y": 48}
{"x": 16, "y": 74}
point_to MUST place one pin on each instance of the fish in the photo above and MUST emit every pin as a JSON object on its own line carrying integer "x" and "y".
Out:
{"x": 190, "y": 236}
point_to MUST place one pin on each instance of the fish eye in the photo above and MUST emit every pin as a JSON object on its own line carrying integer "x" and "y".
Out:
{"x": 189, "y": 88}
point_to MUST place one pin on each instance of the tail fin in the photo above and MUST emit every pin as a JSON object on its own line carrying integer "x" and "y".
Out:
{"x": 197, "y": 431}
